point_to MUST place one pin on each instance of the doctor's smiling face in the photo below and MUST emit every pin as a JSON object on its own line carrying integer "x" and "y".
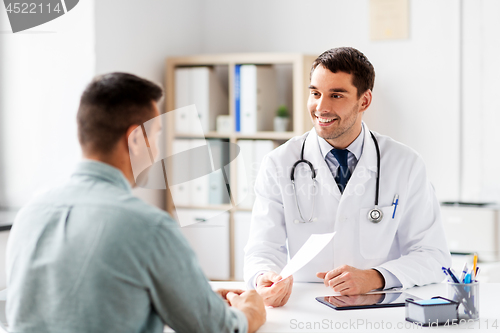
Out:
{"x": 334, "y": 106}
{"x": 340, "y": 91}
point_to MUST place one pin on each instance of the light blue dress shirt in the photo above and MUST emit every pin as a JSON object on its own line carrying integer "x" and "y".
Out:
{"x": 91, "y": 257}
{"x": 355, "y": 150}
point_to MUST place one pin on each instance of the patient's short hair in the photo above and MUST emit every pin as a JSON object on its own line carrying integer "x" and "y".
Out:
{"x": 350, "y": 61}
{"x": 110, "y": 104}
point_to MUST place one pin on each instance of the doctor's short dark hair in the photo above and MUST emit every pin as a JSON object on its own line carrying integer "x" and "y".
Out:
{"x": 110, "y": 104}
{"x": 350, "y": 61}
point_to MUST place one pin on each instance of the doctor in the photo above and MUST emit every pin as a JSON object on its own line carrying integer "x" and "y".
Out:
{"x": 387, "y": 235}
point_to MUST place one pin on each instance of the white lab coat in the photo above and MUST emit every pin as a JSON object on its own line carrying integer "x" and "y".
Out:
{"x": 412, "y": 246}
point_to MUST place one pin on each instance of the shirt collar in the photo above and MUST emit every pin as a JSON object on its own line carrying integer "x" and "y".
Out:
{"x": 356, "y": 147}
{"x": 104, "y": 172}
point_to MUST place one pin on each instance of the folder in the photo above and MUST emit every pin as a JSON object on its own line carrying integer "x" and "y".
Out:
{"x": 245, "y": 191}
{"x": 237, "y": 99}
{"x": 261, "y": 149}
{"x": 180, "y": 192}
{"x": 199, "y": 185}
{"x": 201, "y": 87}
{"x": 258, "y": 98}
{"x": 182, "y": 99}
{"x": 218, "y": 180}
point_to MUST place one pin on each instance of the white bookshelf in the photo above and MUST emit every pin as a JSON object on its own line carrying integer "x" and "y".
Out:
{"x": 297, "y": 67}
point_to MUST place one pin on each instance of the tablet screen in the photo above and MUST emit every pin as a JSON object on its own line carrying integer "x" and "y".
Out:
{"x": 376, "y": 300}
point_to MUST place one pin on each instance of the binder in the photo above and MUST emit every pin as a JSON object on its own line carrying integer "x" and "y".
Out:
{"x": 258, "y": 98}
{"x": 261, "y": 149}
{"x": 201, "y": 87}
{"x": 198, "y": 186}
{"x": 245, "y": 191}
{"x": 248, "y": 99}
{"x": 218, "y": 189}
{"x": 237, "y": 101}
{"x": 182, "y": 99}
{"x": 180, "y": 192}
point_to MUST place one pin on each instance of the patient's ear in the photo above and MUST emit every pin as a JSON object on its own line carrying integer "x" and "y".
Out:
{"x": 133, "y": 138}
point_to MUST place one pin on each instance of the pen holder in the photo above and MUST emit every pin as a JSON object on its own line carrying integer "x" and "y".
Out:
{"x": 467, "y": 294}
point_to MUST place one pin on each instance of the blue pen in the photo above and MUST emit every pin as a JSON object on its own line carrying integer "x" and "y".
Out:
{"x": 395, "y": 204}
{"x": 446, "y": 273}
{"x": 453, "y": 277}
{"x": 467, "y": 278}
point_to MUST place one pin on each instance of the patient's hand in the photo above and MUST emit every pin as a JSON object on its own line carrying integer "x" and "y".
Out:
{"x": 223, "y": 293}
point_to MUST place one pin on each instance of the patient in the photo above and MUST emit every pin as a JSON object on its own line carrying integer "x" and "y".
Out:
{"x": 88, "y": 256}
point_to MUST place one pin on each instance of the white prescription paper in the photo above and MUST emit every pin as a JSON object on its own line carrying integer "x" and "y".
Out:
{"x": 306, "y": 253}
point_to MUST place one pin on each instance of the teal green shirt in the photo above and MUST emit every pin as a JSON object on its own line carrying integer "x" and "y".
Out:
{"x": 89, "y": 256}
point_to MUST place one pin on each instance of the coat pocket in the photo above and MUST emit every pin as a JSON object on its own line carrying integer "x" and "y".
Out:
{"x": 376, "y": 239}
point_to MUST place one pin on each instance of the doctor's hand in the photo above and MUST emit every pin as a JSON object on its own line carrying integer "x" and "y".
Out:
{"x": 348, "y": 280}
{"x": 274, "y": 295}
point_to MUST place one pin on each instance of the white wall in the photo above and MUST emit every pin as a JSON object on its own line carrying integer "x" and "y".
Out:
{"x": 43, "y": 71}
{"x": 137, "y": 36}
{"x": 416, "y": 90}
{"x": 481, "y": 125}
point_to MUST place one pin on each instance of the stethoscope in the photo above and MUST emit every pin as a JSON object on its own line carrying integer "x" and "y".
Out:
{"x": 375, "y": 215}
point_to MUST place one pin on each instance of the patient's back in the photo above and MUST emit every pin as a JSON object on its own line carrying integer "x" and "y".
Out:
{"x": 78, "y": 258}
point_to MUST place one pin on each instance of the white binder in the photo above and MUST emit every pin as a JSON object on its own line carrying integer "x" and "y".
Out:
{"x": 182, "y": 99}
{"x": 198, "y": 186}
{"x": 201, "y": 87}
{"x": 261, "y": 149}
{"x": 180, "y": 192}
{"x": 200, "y": 94}
{"x": 245, "y": 191}
{"x": 218, "y": 190}
{"x": 258, "y": 98}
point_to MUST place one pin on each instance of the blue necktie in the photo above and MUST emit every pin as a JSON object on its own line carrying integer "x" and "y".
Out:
{"x": 343, "y": 172}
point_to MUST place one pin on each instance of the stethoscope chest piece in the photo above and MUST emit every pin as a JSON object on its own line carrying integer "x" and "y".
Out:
{"x": 375, "y": 215}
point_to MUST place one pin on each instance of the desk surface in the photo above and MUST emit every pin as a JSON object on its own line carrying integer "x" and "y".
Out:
{"x": 303, "y": 313}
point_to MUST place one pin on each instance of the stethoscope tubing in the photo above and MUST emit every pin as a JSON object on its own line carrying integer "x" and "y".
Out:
{"x": 373, "y": 212}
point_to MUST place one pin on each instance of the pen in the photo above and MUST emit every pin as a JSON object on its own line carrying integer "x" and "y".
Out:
{"x": 395, "y": 204}
{"x": 453, "y": 277}
{"x": 446, "y": 273}
{"x": 464, "y": 272}
{"x": 475, "y": 265}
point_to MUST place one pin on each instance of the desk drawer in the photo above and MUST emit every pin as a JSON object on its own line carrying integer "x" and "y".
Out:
{"x": 209, "y": 238}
